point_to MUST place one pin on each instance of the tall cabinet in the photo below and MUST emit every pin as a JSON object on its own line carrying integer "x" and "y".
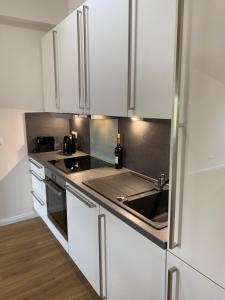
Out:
{"x": 198, "y": 146}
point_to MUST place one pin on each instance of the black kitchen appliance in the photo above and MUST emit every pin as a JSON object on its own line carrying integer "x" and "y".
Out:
{"x": 56, "y": 201}
{"x": 78, "y": 164}
{"x": 44, "y": 144}
{"x": 69, "y": 144}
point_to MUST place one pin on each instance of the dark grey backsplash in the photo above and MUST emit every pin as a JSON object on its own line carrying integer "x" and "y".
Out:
{"x": 57, "y": 125}
{"x": 82, "y": 126}
{"x": 46, "y": 124}
{"x": 146, "y": 145}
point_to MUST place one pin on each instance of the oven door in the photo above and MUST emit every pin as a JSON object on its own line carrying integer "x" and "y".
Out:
{"x": 56, "y": 206}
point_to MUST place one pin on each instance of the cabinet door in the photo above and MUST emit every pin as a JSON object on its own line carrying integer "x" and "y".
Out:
{"x": 186, "y": 283}
{"x": 135, "y": 267}
{"x": 83, "y": 235}
{"x": 155, "y": 54}
{"x": 70, "y": 63}
{"x": 197, "y": 234}
{"x": 50, "y": 75}
{"x": 108, "y": 56}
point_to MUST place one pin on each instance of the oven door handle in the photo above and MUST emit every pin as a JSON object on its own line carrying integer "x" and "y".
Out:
{"x": 53, "y": 187}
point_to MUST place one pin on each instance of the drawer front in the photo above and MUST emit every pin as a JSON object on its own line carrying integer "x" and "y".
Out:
{"x": 38, "y": 187}
{"x": 37, "y": 168}
{"x": 39, "y": 206}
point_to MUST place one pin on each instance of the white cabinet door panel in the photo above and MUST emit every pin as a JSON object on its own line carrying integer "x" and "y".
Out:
{"x": 108, "y": 55}
{"x": 188, "y": 284}
{"x": 202, "y": 243}
{"x": 68, "y": 64}
{"x": 83, "y": 237}
{"x": 48, "y": 68}
{"x": 155, "y": 58}
{"x": 135, "y": 266}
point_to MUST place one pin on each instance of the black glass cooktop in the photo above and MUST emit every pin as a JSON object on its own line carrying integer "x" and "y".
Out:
{"x": 78, "y": 164}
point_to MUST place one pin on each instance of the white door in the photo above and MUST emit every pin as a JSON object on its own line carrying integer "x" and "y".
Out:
{"x": 197, "y": 235}
{"x": 82, "y": 218}
{"x": 70, "y": 39}
{"x": 108, "y": 56}
{"x": 133, "y": 267}
{"x": 155, "y": 58}
{"x": 185, "y": 283}
{"x": 50, "y": 72}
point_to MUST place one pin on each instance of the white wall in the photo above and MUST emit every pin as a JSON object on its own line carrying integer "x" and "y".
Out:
{"x": 73, "y": 4}
{"x": 47, "y": 11}
{"x": 20, "y": 91}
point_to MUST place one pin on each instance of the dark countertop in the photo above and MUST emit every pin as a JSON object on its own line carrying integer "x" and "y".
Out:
{"x": 159, "y": 237}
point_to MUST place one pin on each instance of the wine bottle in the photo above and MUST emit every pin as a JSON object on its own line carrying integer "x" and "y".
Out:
{"x": 118, "y": 154}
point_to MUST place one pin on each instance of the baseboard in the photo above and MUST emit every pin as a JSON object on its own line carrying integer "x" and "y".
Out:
{"x": 19, "y": 218}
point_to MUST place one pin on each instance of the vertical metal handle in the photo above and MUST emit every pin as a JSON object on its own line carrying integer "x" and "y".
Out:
{"x": 171, "y": 272}
{"x": 132, "y": 54}
{"x": 55, "y": 53}
{"x": 80, "y": 58}
{"x": 102, "y": 263}
{"x": 175, "y": 126}
{"x": 86, "y": 56}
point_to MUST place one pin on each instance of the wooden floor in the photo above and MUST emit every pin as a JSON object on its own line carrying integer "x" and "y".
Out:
{"x": 34, "y": 266}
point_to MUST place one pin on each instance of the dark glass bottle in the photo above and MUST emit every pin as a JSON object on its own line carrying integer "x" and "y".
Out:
{"x": 118, "y": 154}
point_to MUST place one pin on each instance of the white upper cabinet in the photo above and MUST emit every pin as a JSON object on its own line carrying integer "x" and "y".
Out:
{"x": 153, "y": 58}
{"x": 63, "y": 66}
{"x": 69, "y": 38}
{"x": 108, "y": 56}
{"x": 50, "y": 80}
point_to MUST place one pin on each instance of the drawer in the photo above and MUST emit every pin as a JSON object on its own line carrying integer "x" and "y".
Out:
{"x": 37, "y": 168}
{"x": 38, "y": 186}
{"x": 39, "y": 206}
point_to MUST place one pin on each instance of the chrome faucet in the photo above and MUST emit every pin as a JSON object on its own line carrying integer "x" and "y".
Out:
{"x": 161, "y": 182}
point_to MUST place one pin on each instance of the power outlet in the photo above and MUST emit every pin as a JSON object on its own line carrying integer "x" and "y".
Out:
{"x": 1, "y": 141}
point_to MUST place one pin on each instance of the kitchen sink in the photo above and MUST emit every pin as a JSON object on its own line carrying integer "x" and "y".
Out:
{"x": 137, "y": 195}
{"x": 152, "y": 208}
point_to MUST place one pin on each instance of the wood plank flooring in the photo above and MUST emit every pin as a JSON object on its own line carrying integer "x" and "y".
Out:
{"x": 33, "y": 266}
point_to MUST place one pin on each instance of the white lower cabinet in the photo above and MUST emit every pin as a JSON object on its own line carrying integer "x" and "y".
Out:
{"x": 132, "y": 267}
{"x": 185, "y": 283}
{"x": 82, "y": 216}
{"x": 38, "y": 189}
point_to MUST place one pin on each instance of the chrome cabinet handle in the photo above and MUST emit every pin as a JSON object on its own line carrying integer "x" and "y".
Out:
{"x": 35, "y": 163}
{"x": 56, "y": 75}
{"x": 36, "y": 176}
{"x": 171, "y": 272}
{"x": 86, "y": 56}
{"x": 53, "y": 188}
{"x": 80, "y": 58}
{"x": 102, "y": 261}
{"x": 37, "y": 198}
{"x": 80, "y": 197}
{"x": 132, "y": 54}
{"x": 175, "y": 127}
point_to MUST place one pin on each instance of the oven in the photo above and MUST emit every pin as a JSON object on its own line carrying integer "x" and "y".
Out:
{"x": 56, "y": 202}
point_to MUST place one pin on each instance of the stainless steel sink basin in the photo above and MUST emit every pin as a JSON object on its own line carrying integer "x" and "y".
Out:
{"x": 152, "y": 208}
{"x": 136, "y": 194}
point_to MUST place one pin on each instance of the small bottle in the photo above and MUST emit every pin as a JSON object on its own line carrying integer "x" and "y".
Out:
{"x": 118, "y": 154}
